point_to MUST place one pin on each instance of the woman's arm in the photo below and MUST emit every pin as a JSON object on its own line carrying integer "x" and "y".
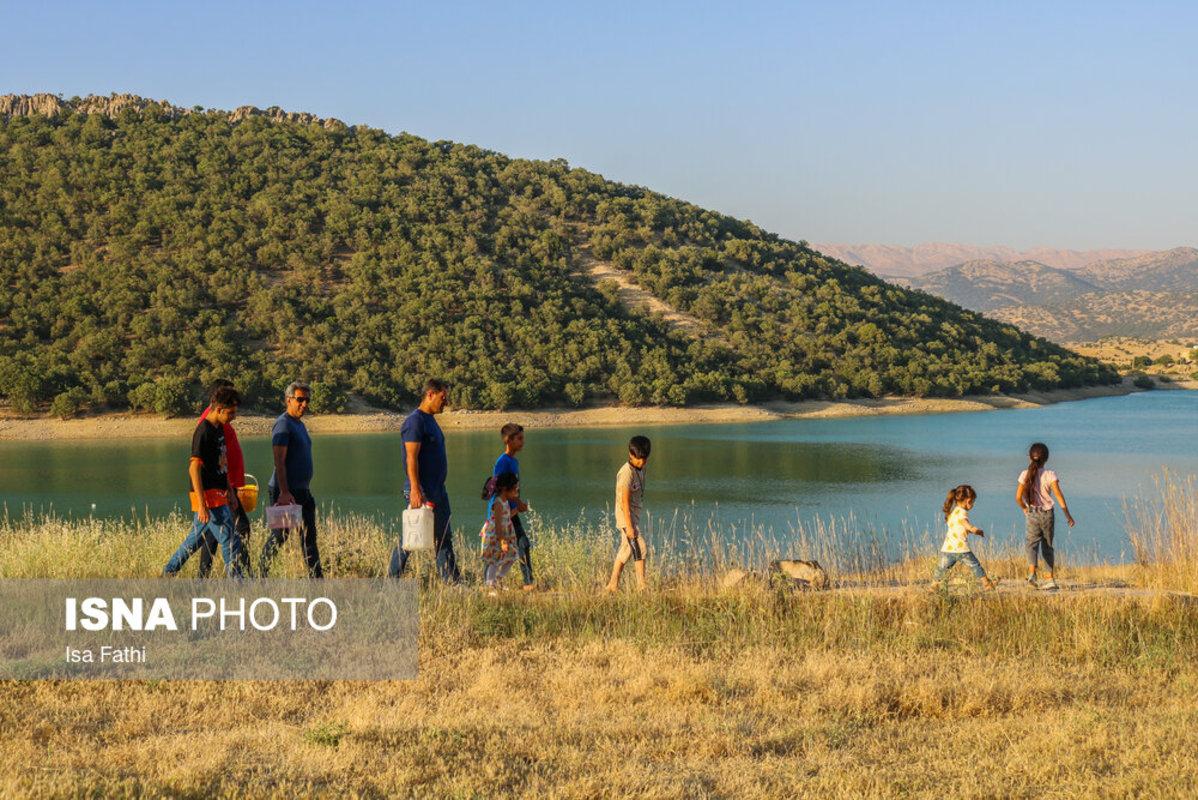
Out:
{"x": 1056, "y": 490}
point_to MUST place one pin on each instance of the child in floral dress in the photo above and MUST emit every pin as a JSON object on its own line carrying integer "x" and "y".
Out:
{"x": 498, "y": 532}
{"x": 956, "y": 542}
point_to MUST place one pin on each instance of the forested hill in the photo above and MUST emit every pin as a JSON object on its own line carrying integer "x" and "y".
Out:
{"x": 146, "y": 249}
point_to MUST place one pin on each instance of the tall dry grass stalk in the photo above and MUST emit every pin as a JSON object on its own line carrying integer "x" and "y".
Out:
{"x": 1163, "y": 529}
{"x": 687, "y": 550}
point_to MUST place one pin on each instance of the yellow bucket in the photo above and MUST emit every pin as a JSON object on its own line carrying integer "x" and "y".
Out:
{"x": 248, "y": 495}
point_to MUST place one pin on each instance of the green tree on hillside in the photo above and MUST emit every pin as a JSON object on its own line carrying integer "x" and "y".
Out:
{"x": 143, "y": 255}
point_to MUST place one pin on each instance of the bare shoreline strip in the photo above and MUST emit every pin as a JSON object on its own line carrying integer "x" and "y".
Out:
{"x": 138, "y": 426}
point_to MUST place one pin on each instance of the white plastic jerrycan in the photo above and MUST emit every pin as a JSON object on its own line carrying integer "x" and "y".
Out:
{"x": 418, "y": 528}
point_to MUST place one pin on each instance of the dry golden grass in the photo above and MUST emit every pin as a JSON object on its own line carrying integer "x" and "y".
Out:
{"x": 683, "y": 692}
{"x": 1121, "y": 350}
{"x": 863, "y": 699}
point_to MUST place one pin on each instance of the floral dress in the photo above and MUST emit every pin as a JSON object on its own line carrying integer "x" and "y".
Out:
{"x": 497, "y": 529}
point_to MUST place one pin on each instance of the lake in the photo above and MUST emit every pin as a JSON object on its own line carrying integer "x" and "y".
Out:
{"x": 885, "y": 475}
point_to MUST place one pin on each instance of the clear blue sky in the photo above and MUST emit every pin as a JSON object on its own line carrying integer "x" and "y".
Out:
{"x": 1018, "y": 123}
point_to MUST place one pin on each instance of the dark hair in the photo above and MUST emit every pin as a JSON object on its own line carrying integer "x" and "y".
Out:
{"x": 510, "y": 430}
{"x": 226, "y": 397}
{"x": 638, "y": 447}
{"x": 216, "y": 384}
{"x": 498, "y": 483}
{"x": 958, "y": 495}
{"x": 434, "y": 386}
{"x": 1037, "y": 454}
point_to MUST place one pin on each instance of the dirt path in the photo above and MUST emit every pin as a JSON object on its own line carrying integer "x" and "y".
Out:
{"x": 1069, "y": 590}
{"x": 633, "y": 297}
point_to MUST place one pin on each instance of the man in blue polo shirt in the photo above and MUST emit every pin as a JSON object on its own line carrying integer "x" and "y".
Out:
{"x": 292, "y": 449}
{"x": 425, "y": 470}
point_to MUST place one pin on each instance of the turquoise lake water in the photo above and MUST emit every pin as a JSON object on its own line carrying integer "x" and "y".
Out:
{"x": 869, "y": 475}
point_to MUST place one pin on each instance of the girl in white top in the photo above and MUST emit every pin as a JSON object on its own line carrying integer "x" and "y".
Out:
{"x": 956, "y": 541}
{"x": 498, "y": 534}
{"x": 1037, "y": 488}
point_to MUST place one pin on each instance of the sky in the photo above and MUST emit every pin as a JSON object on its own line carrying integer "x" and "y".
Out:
{"x": 1059, "y": 124}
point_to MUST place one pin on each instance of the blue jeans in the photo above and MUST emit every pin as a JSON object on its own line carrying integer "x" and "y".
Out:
{"x": 447, "y": 562}
{"x": 522, "y": 550}
{"x": 241, "y": 524}
{"x": 220, "y": 527}
{"x": 949, "y": 560}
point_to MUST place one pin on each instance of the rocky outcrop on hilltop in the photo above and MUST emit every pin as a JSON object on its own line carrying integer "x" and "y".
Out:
{"x": 50, "y": 105}
{"x": 26, "y": 105}
{"x": 276, "y": 114}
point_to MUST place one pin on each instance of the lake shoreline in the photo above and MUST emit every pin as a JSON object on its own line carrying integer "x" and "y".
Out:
{"x": 144, "y": 426}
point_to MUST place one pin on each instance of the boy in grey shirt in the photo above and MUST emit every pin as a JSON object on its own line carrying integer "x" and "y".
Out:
{"x": 630, "y": 491}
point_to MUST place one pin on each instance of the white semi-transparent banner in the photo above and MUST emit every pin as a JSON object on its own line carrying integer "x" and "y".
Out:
{"x": 208, "y": 629}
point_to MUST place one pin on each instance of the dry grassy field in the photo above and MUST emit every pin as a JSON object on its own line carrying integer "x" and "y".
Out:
{"x": 1122, "y": 350}
{"x": 685, "y": 691}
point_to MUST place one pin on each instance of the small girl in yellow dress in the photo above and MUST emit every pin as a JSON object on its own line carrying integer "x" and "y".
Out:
{"x": 498, "y": 532}
{"x": 956, "y": 541}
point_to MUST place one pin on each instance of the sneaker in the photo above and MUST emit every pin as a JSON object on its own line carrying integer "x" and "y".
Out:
{"x": 1032, "y": 582}
{"x": 1049, "y": 585}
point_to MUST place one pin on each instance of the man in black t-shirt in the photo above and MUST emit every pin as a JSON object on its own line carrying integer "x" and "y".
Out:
{"x": 211, "y": 496}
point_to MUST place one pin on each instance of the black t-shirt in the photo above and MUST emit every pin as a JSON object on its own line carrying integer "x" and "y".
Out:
{"x": 208, "y": 445}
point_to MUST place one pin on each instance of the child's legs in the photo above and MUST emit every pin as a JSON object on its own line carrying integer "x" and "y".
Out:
{"x": 208, "y": 548}
{"x": 622, "y": 556}
{"x": 634, "y": 550}
{"x": 971, "y": 561}
{"x": 947, "y": 561}
{"x": 221, "y": 527}
{"x": 502, "y": 572}
{"x": 490, "y": 573}
{"x": 1039, "y": 537}
{"x": 639, "y": 566}
{"x": 193, "y": 542}
{"x": 522, "y": 548}
{"x": 1046, "y": 548}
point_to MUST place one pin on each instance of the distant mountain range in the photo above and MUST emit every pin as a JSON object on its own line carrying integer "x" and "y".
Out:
{"x": 987, "y": 285}
{"x": 1153, "y": 295}
{"x": 1136, "y": 313}
{"x": 890, "y": 260}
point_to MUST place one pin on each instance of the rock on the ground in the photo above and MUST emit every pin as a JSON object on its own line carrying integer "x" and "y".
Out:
{"x": 804, "y": 574}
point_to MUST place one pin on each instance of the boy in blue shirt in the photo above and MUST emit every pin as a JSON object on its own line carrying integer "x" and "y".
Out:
{"x": 513, "y": 443}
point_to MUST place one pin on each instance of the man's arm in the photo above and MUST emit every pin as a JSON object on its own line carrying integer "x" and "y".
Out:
{"x": 197, "y": 485}
{"x": 280, "y": 452}
{"x": 412, "y": 451}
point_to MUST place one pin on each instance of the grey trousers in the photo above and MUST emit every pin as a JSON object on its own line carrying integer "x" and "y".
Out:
{"x": 1040, "y": 525}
